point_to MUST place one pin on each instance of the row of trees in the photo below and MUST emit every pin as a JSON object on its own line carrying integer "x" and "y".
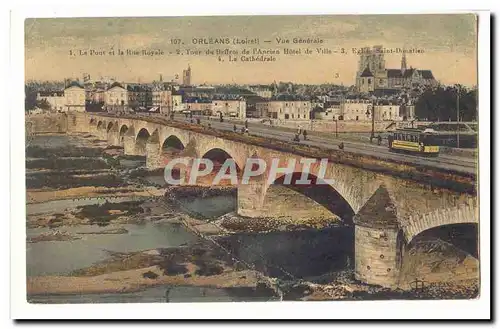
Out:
{"x": 30, "y": 101}
{"x": 440, "y": 104}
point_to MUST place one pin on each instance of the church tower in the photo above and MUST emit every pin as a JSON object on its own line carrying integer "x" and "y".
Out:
{"x": 403, "y": 64}
{"x": 186, "y": 76}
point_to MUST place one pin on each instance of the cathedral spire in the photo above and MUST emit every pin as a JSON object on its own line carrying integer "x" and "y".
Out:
{"x": 403, "y": 63}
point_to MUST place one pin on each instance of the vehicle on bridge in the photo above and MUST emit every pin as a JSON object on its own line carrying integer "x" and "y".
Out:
{"x": 415, "y": 141}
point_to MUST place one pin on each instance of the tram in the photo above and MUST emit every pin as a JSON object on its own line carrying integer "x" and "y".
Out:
{"x": 414, "y": 141}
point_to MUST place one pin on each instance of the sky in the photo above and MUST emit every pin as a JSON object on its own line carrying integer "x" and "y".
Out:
{"x": 449, "y": 42}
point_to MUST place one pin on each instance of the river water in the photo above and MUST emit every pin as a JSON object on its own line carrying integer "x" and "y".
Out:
{"x": 62, "y": 257}
{"x": 280, "y": 254}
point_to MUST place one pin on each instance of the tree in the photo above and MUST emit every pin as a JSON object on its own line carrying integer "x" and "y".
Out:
{"x": 29, "y": 98}
{"x": 43, "y": 104}
{"x": 440, "y": 104}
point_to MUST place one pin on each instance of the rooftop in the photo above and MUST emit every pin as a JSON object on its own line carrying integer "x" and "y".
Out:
{"x": 116, "y": 84}
{"x": 57, "y": 93}
{"x": 138, "y": 88}
{"x": 288, "y": 98}
{"x": 74, "y": 84}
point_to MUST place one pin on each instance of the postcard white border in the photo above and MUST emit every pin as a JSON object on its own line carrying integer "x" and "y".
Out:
{"x": 20, "y": 309}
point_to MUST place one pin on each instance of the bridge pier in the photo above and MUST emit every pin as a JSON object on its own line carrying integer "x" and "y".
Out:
{"x": 251, "y": 198}
{"x": 93, "y": 129}
{"x": 113, "y": 137}
{"x": 153, "y": 155}
{"x": 102, "y": 134}
{"x": 129, "y": 143}
{"x": 378, "y": 241}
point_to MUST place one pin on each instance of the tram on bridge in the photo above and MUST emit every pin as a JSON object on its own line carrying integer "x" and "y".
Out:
{"x": 414, "y": 141}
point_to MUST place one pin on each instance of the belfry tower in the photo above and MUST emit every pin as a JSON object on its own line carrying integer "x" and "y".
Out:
{"x": 403, "y": 63}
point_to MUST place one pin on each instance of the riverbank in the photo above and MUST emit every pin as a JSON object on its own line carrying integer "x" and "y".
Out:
{"x": 134, "y": 280}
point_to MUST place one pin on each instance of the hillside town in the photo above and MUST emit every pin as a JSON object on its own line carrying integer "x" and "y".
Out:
{"x": 379, "y": 94}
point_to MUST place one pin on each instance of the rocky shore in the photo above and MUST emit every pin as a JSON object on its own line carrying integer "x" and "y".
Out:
{"x": 53, "y": 236}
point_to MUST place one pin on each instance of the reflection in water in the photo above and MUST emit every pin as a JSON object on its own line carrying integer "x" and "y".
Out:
{"x": 300, "y": 253}
{"x": 210, "y": 207}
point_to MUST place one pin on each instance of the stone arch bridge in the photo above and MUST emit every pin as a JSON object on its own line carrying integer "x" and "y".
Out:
{"x": 415, "y": 206}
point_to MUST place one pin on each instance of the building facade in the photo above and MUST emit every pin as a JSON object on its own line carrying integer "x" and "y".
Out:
{"x": 177, "y": 104}
{"x": 162, "y": 97}
{"x": 74, "y": 96}
{"x": 389, "y": 112}
{"x": 140, "y": 97}
{"x": 356, "y": 109}
{"x": 55, "y": 99}
{"x": 372, "y": 73}
{"x": 366, "y": 81}
{"x": 229, "y": 107}
{"x": 116, "y": 96}
{"x": 198, "y": 106}
{"x": 285, "y": 107}
{"x": 96, "y": 96}
{"x": 332, "y": 111}
{"x": 186, "y": 76}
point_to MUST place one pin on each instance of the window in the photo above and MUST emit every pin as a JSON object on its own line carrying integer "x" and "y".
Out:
{"x": 369, "y": 81}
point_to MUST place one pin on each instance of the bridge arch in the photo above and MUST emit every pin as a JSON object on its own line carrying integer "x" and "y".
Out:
{"x": 319, "y": 191}
{"x": 219, "y": 156}
{"x": 464, "y": 214}
{"x": 92, "y": 125}
{"x": 239, "y": 156}
{"x": 172, "y": 144}
{"x": 110, "y": 125}
{"x": 463, "y": 236}
{"x": 141, "y": 140}
{"x": 123, "y": 130}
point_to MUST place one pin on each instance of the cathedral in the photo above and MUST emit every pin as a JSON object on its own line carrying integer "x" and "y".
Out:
{"x": 372, "y": 74}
